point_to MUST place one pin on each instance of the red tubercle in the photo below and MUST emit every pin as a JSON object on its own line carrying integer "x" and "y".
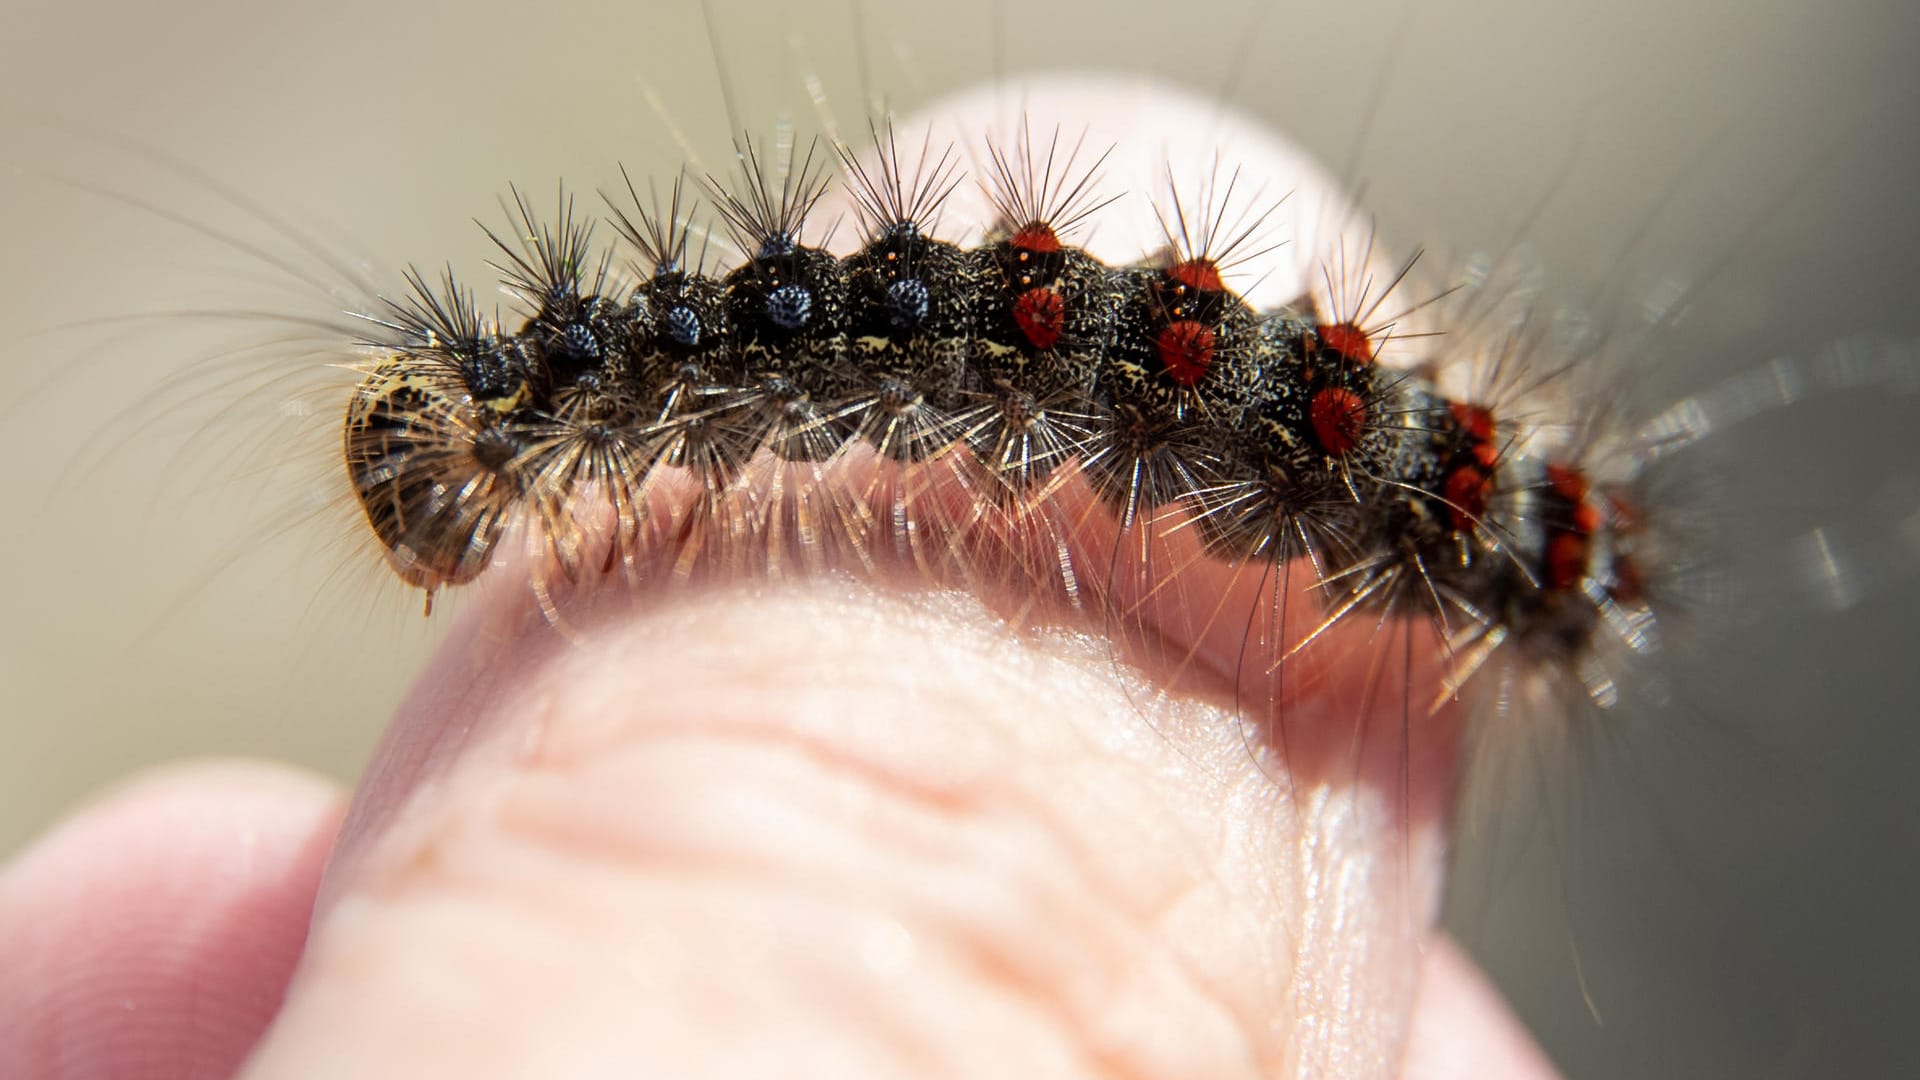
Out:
{"x": 1041, "y": 315}
{"x": 1197, "y": 274}
{"x": 1565, "y": 565}
{"x": 1568, "y": 483}
{"x": 1571, "y": 486}
{"x": 1468, "y": 485}
{"x": 1475, "y": 420}
{"x": 1339, "y": 418}
{"x": 1036, "y": 236}
{"x": 1570, "y": 541}
{"x": 1346, "y": 341}
{"x": 1466, "y": 488}
{"x": 1185, "y": 348}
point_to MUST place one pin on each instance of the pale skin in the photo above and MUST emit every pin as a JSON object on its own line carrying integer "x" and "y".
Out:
{"x": 830, "y": 828}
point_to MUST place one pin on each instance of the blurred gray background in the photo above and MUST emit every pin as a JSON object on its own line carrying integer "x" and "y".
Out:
{"x": 1723, "y": 886}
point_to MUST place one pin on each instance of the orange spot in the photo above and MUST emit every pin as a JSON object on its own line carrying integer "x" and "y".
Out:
{"x": 1475, "y": 420}
{"x": 1339, "y": 418}
{"x": 1036, "y": 236}
{"x": 1041, "y": 315}
{"x": 1347, "y": 341}
{"x": 1487, "y": 454}
{"x": 1566, "y": 561}
{"x": 1466, "y": 490}
{"x": 1198, "y": 274}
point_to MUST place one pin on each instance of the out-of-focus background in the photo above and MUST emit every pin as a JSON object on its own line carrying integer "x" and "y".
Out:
{"x": 1722, "y": 886}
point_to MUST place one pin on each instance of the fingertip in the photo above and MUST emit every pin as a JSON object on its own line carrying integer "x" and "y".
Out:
{"x": 150, "y": 934}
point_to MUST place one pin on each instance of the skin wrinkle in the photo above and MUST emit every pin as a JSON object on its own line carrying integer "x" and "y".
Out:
{"x": 848, "y": 704}
{"x": 984, "y": 957}
{"x": 1018, "y": 974}
{"x": 772, "y": 673}
{"x": 978, "y": 960}
{"x": 1070, "y": 909}
{"x": 813, "y": 966}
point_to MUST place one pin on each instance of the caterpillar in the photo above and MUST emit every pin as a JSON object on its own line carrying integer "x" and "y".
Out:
{"x": 1012, "y": 364}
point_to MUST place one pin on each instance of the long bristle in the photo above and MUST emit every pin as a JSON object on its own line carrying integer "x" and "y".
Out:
{"x": 1028, "y": 187}
{"x": 890, "y": 194}
{"x": 768, "y": 210}
{"x": 662, "y": 237}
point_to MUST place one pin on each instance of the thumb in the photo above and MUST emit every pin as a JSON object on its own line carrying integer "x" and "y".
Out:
{"x": 847, "y": 830}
